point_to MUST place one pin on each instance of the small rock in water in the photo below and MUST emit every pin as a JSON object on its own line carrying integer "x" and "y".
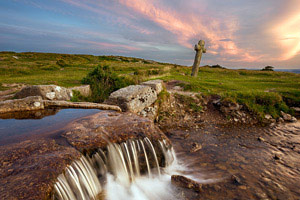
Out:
{"x": 195, "y": 147}
{"x": 277, "y": 157}
{"x": 186, "y": 135}
{"x": 236, "y": 180}
{"x": 260, "y": 139}
{"x": 184, "y": 182}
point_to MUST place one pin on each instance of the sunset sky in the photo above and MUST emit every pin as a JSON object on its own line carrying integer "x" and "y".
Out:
{"x": 238, "y": 33}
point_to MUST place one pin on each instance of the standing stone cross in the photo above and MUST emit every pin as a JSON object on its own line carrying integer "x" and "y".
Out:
{"x": 199, "y": 48}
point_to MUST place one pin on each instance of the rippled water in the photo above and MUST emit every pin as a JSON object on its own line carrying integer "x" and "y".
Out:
{"x": 237, "y": 165}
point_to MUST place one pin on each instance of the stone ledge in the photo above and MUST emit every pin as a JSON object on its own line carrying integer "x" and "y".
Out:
{"x": 156, "y": 85}
{"x": 26, "y": 104}
{"x": 47, "y": 92}
{"x": 133, "y": 98}
{"x": 37, "y": 103}
{"x": 87, "y": 105}
{"x": 52, "y": 92}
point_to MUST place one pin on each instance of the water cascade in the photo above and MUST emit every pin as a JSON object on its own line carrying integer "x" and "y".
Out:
{"x": 129, "y": 168}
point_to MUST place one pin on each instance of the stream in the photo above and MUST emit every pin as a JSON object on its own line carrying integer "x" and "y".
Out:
{"x": 231, "y": 162}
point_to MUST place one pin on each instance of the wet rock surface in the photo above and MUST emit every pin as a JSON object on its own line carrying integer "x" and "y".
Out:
{"x": 242, "y": 162}
{"x": 97, "y": 130}
{"x": 184, "y": 182}
{"x": 29, "y": 169}
{"x": 86, "y": 105}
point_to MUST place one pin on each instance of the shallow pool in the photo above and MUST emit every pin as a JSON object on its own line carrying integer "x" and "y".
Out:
{"x": 16, "y": 126}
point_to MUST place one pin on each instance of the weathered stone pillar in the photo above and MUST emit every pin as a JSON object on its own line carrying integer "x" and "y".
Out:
{"x": 199, "y": 48}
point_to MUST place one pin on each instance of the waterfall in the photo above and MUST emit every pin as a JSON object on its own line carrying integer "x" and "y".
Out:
{"x": 78, "y": 182}
{"x": 125, "y": 171}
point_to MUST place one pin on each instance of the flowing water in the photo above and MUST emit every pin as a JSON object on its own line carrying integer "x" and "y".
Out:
{"x": 130, "y": 170}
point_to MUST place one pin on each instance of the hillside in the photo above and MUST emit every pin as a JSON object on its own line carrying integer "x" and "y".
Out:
{"x": 261, "y": 91}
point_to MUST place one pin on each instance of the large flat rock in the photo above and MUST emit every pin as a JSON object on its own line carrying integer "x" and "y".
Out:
{"x": 85, "y": 105}
{"x": 133, "y": 98}
{"x": 85, "y": 90}
{"x": 26, "y": 104}
{"x": 47, "y": 92}
{"x": 157, "y": 85}
{"x": 97, "y": 130}
{"x": 29, "y": 169}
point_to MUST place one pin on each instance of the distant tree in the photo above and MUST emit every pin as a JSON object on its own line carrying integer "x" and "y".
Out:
{"x": 268, "y": 68}
{"x": 218, "y": 66}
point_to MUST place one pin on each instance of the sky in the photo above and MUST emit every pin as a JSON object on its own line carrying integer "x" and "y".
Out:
{"x": 238, "y": 33}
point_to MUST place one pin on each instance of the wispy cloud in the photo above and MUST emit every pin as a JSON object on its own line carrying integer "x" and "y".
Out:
{"x": 189, "y": 27}
{"x": 111, "y": 46}
{"x": 247, "y": 33}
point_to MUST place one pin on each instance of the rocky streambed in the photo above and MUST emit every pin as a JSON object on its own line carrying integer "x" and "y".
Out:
{"x": 30, "y": 167}
{"x": 241, "y": 162}
{"x": 219, "y": 158}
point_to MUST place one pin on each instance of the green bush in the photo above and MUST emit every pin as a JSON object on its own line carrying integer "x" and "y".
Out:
{"x": 61, "y": 63}
{"x": 103, "y": 82}
{"x": 77, "y": 97}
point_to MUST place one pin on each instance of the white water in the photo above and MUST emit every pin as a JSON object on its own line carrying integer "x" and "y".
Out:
{"x": 120, "y": 169}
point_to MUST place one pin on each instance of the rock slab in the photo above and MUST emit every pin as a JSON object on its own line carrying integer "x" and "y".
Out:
{"x": 47, "y": 92}
{"x": 95, "y": 131}
{"x": 133, "y": 98}
{"x": 156, "y": 85}
{"x": 184, "y": 182}
{"x": 288, "y": 117}
{"x": 29, "y": 169}
{"x": 85, "y": 90}
{"x": 26, "y": 104}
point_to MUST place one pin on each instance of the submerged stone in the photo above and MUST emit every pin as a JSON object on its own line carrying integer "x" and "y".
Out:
{"x": 184, "y": 182}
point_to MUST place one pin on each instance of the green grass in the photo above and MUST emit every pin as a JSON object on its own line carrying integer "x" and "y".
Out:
{"x": 261, "y": 91}
{"x": 64, "y": 69}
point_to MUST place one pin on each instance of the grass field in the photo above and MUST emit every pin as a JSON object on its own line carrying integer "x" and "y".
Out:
{"x": 261, "y": 91}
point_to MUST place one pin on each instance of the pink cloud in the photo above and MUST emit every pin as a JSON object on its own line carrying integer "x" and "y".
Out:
{"x": 113, "y": 47}
{"x": 188, "y": 26}
{"x": 102, "y": 9}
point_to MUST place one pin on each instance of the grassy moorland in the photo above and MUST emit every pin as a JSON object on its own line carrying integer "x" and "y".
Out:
{"x": 261, "y": 91}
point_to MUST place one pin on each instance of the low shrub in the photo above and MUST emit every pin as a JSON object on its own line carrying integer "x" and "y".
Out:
{"x": 104, "y": 81}
{"x": 77, "y": 97}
